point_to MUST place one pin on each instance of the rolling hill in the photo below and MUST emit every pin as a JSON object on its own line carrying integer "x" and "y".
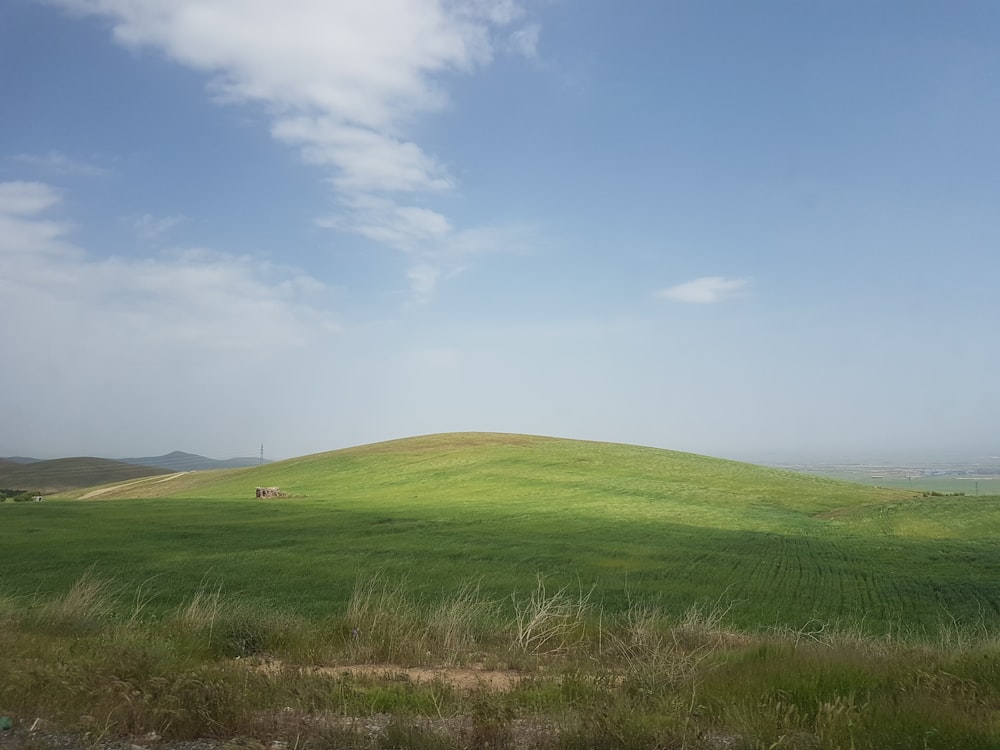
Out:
{"x": 782, "y": 548}
{"x": 485, "y": 468}
{"x": 62, "y": 474}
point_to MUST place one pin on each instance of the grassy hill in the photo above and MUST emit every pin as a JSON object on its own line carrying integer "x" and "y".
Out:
{"x": 482, "y": 468}
{"x": 781, "y": 548}
{"x": 62, "y": 474}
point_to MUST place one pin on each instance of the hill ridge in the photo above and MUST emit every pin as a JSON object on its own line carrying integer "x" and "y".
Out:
{"x": 66, "y": 474}
{"x": 478, "y": 467}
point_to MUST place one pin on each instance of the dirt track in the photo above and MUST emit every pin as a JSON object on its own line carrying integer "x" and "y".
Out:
{"x": 151, "y": 480}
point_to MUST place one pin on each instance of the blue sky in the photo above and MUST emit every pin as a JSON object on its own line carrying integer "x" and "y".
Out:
{"x": 765, "y": 231}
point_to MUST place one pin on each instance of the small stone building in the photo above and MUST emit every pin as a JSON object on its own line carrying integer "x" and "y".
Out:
{"x": 270, "y": 492}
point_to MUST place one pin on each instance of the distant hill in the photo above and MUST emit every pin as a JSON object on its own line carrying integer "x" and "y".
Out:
{"x": 21, "y": 460}
{"x": 61, "y": 474}
{"x": 181, "y": 461}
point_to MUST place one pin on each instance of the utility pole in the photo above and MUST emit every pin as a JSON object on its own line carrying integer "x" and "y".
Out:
{"x": 261, "y": 454}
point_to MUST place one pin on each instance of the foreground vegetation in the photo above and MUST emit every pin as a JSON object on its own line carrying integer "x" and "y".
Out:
{"x": 546, "y": 669}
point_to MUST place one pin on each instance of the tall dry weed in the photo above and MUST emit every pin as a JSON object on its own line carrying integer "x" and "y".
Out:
{"x": 461, "y": 624}
{"x": 549, "y": 622}
{"x": 89, "y": 603}
{"x": 384, "y": 621}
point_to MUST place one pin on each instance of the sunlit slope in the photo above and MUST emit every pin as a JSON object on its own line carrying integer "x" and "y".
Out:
{"x": 500, "y": 510}
{"x": 537, "y": 475}
{"x": 940, "y": 519}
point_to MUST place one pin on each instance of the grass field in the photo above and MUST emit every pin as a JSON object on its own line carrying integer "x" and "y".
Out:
{"x": 621, "y": 598}
{"x": 783, "y": 549}
{"x": 980, "y": 486}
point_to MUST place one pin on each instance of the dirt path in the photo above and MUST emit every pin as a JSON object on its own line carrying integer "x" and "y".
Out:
{"x": 459, "y": 678}
{"x": 151, "y": 480}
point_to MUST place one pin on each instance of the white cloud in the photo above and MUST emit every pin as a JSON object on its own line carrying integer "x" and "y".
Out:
{"x": 22, "y": 233}
{"x": 497, "y": 11}
{"x": 704, "y": 290}
{"x": 363, "y": 159}
{"x": 438, "y": 251}
{"x": 61, "y": 164}
{"x": 411, "y": 229}
{"x": 58, "y": 294}
{"x": 192, "y": 348}
{"x": 341, "y": 79}
{"x": 524, "y": 41}
{"x": 352, "y": 68}
{"x": 424, "y": 279}
{"x": 149, "y": 227}
{"x": 26, "y": 198}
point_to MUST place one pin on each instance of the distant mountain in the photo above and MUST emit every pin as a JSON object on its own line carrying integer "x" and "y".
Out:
{"x": 181, "y": 461}
{"x": 21, "y": 460}
{"x": 62, "y": 474}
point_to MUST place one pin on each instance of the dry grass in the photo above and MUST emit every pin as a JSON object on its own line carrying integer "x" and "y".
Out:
{"x": 86, "y": 661}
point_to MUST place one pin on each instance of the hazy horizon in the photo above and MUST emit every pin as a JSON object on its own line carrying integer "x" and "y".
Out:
{"x": 758, "y": 231}
{"x": 775, "y": 459}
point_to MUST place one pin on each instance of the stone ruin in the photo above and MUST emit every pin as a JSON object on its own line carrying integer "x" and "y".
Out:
{"x": 270, "y": 492}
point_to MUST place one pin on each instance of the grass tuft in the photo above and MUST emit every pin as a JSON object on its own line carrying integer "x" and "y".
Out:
{"x": 90, "y": 602}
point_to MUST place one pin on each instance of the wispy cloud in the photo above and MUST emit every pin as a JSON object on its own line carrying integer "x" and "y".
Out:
{"x": 23, "y": 198}
{"x": 202, "y": 345}
{"x": 363, "y": 160}
{"x": 437, "y": 250}
{"x": 184, "y": 298}
{"x": 23, "y": 233}
{"x": 343, "y": 80}
{"x": 148, "y": 227}
{"x": 56, "y": 163}
{"x": 705, "y": 290}
{"x": 524, "y": 41}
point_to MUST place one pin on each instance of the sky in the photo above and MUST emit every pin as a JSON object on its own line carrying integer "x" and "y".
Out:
{"x": 766, "y": 231}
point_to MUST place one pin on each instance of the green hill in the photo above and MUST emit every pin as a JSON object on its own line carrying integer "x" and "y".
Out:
{"x": 484, "y": 468}
{"x": 62, "y": 474}
{"x": 440, "y": 510}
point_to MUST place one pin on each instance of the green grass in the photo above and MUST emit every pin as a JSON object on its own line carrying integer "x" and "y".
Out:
{"x": 783, "y": 549}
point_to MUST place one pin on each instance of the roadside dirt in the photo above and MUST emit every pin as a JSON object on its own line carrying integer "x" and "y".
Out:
{"x": 459, "y": 678}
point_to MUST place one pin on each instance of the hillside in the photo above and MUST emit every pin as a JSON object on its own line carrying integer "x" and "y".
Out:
{"x": 499, "y": 510}
{"x": 63, "y": 474}
{"x": 472, "y": 469}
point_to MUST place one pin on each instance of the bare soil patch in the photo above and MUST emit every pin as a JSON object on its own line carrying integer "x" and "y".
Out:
{"x": 459, "y": 678}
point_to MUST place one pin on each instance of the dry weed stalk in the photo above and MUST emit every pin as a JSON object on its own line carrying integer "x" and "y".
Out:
{"x": 548, "y": 623}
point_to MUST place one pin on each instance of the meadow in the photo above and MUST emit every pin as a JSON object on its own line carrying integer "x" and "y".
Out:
{"x": 643, "y": 597}
{"x": 782, "y": 549}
